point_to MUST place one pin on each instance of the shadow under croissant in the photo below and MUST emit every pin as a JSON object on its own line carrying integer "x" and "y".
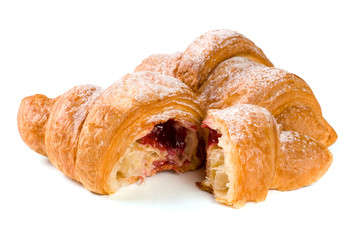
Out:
{"x": 164, "y": 188}
{"x": 47, "y": 163}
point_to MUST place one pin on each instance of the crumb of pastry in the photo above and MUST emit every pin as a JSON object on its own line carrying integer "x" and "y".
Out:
{"x": 217, "y": 175}
{"x": 168, "y": 146}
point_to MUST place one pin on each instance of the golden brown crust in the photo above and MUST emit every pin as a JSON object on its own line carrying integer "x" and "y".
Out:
{"x": 306, "y": 121}
{"x": 32, "y": 117}
{"x": 301, "y": 161}
{"x": 208, "y": 50}
{"x": 250, "y": 142}
{"x": 125, "y": 112}
{"x": 166, "y": 64}
{"x": 285, "y": 95}
{"x": 255, "y": 157}
{"x": 64, "y": 126}
{"x": 225, "y": 68}
{"x": 85, "y": 131}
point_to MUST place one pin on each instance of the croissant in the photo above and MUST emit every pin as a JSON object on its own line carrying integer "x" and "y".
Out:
{"x": 225, "y": 68}
{"x": 263, "y": 127}
{"x": 144, "y": 123}
{"x": 247, "y": 155}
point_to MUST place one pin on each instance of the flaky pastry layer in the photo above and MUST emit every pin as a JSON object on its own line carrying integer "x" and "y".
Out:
{"x": 225, "y": 68}
{"x": 247, "y": 155}
{"x": 86, "y": 131}
{"x": 241, "y": 166}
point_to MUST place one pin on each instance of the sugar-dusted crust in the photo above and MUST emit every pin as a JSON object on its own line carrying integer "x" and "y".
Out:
{"x": 213, "y": 47}
{"x": 250, "y": 142}
{"x": 107, "y": 139}
{"x": 301, "y": 161}
{"x": 225, "y": 68}
{"x": 64, "y": 125}
{"x": 251, "y": 155}
{"x": 195, "y": 65}
{"x": 124, "y": 113}
{"x": 166, "y": 64}
{"x": 86, "y": 131}
{"x": 285, "y": 95}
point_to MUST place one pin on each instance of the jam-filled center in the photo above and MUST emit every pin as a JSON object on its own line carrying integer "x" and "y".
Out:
{"x": 170, "y": 145}
{"x": 167, "y": 136}
{"x": 213, "y": 137}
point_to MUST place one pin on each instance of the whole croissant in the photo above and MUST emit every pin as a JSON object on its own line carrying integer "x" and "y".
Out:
{"x": 225, "y": 68}
{"x": 142, "y": 124}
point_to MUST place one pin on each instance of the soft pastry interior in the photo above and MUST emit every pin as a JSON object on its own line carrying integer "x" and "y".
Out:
{"x": 218, "y": 172}
{"x": 170, "y": 145}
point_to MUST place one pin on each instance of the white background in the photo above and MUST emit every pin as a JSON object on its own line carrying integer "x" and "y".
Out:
{"x": 48, "y": 47}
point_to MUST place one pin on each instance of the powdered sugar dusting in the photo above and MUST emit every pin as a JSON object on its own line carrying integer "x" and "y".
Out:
{"x": 166, "y": 64}
{"x": 88, "y": 94}
{"x": 224, "y": 80}
{"x": 240, "y": 80}
{"x": 291, "y": 137}
{"x": 197, "y": 52}
{"x": 84, "y": 95}
{"x": 301, "y": 150}
{"x": 243, "y": 119}
{"x": 288, "y": 136}
{"x": 144, "y": 88}
{"x": 208, "y": 50}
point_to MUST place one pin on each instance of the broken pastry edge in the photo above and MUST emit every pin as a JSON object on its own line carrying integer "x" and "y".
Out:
{"x": 242, "y": 190}
{"x": 153, "y": 159}
{"x": 223, "y": 148}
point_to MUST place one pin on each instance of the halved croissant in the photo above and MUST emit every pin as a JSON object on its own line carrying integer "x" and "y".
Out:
{"x": 142, "y": 124}
{"x": 225, "y": 68}
{"x": 242, "y": 147}
{"x": 247, "y": 155}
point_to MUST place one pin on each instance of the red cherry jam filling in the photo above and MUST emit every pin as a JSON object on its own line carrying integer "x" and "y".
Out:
{"x": 170, "y": 137}
{"x": 213, "y": 137}
{"x": 166, "y": 136}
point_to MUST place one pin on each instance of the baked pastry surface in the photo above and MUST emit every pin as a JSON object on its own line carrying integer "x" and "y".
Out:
{"x": 142, "y": 124}
{"x": 285, "y": 95}
{"x": 247, "y": 155}
{"x": 225, "y": 68}
{"x": 301, "y": 161}
{"x": 242, "y": 146}
{"x": 264, "y": 128}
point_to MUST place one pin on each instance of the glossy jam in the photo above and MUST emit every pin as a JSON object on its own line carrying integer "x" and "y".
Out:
{"x": 213, "y": 137}
{"x": 166, "y": 136}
